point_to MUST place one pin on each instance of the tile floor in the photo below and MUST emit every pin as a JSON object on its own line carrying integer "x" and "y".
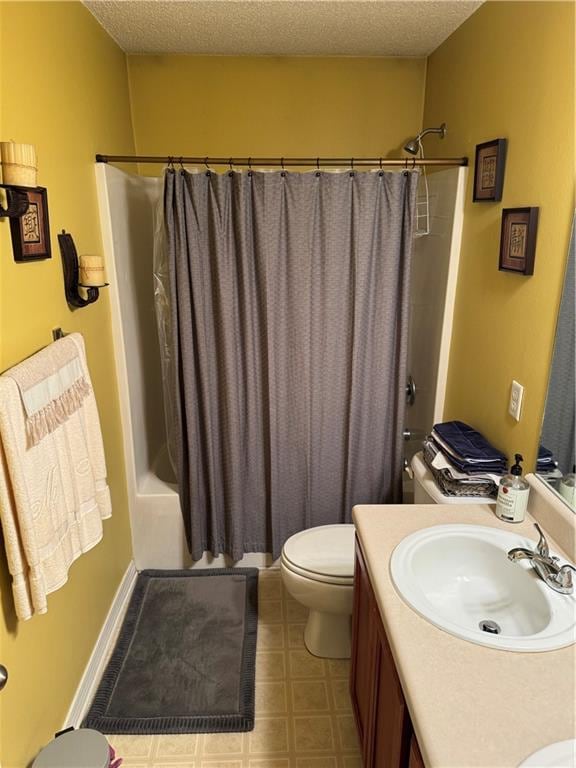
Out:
{"x": 303, "y": 712}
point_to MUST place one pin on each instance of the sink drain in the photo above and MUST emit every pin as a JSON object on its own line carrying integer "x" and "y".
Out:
{"x": 487, "y": 625}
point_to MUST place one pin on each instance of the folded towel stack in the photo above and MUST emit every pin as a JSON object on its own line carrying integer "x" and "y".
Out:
{"x": 462, "y": 461}
{"x": 467, "y": 449}
{"x": 546, "y": 463}
{"x": 53, "y": 490}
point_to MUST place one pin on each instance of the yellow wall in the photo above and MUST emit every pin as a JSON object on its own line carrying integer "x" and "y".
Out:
{"x": 64, "y": 88}
{"x": 274, "y": 106}
{"x": 508, "y": 72}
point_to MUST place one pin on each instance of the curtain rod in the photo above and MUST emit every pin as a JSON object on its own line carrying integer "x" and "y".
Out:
{"x": 285, "y": 162}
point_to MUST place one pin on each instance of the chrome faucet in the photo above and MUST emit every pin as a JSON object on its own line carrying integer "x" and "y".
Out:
{"x": 557, "y": 577}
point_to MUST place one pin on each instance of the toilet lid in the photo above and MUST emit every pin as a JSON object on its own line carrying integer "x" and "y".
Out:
{"x": 327, "y": 550}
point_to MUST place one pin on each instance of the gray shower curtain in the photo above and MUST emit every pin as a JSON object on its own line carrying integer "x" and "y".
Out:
{"x": 289, "y": 302}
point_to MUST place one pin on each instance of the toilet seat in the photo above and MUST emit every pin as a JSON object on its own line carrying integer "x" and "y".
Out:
{"x": 324, "y": 553}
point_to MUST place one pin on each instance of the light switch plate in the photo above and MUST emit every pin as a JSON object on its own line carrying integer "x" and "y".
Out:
{"x": 515, "y": 405}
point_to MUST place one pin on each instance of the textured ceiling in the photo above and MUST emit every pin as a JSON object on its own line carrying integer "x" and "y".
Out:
{"x": 282, "y": 27}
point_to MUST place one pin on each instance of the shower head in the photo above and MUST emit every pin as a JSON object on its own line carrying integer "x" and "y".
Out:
{"x": 413, "y": 146}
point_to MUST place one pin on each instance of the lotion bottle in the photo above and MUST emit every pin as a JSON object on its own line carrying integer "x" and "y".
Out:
{"x": 513, "y": 494}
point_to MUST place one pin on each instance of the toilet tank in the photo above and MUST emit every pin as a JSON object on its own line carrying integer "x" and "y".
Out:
{"x": 427, "y": 492}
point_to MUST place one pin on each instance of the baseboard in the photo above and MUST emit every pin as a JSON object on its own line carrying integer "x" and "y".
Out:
{"x": 95, "y": 667}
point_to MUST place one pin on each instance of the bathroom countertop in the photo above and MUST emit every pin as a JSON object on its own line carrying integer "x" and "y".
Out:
{"x": 471, "y": 705}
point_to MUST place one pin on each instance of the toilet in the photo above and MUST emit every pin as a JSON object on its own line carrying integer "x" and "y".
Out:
{"x": 317, "y": 568}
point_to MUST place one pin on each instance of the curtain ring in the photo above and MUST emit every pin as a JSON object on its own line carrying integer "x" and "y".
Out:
{"x": 230, "y": 165}
{"x": 380, "y": 163}
{"x": 206, "y": 163}
{"x": 250, "y": 163}
{"x": 413, "y": 163}
{"x": 405, "y": 163}
{"x": 352, "y": 163}
{"x": 282, "y": 163}
{"x": 317, "y": 163}
{"x": 170, "y": 163}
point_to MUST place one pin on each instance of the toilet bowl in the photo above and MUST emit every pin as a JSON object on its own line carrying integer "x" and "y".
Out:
{"x": 317, "y": 568}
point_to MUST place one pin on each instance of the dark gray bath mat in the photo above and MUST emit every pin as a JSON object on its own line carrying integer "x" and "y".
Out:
{"x": 185, "y": 657}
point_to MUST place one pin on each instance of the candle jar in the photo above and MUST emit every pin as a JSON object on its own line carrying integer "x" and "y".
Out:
{"x": 91, "y": 271}
{"x": 18, "y": 164}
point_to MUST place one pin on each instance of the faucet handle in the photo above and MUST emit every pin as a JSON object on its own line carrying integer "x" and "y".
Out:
{"x": 562, "y": 580}
{"x": 542, "y": 546}
{"x": 564, "y": 576}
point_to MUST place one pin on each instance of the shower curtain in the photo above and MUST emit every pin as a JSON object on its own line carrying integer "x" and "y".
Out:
{"x": 289, "y": 315}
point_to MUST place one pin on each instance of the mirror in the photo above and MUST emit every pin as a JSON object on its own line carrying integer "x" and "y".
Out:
{"x": 557, "y": 441}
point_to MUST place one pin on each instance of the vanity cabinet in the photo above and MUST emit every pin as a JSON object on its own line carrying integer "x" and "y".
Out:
{"x": 416, "y": 760}
{"x": 382, "y": 718}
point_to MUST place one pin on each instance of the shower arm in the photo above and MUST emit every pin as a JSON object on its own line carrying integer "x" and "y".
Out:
{"x": 441, "y": 131}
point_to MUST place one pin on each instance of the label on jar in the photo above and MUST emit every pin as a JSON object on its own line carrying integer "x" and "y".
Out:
{"x": 511, "y": 503}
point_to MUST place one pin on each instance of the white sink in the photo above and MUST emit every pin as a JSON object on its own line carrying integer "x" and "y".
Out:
{"x": 561, "y": 754}
{"x": 459, "y": 576}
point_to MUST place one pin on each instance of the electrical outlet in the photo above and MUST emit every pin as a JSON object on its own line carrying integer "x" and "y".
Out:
{"x": 515, "y": 404}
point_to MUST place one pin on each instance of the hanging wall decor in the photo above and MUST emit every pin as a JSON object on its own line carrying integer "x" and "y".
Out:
{"x": 489, "y": 171}
{"x": 31, "y": 231}
{"x": 518, "y": 240}
{"x": 86, "y": 272}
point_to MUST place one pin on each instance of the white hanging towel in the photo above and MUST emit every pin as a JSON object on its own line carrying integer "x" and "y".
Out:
{"x": 53, "y": 489}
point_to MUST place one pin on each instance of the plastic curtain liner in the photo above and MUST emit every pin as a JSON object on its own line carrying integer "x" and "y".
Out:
{"x": 162, "y": 301}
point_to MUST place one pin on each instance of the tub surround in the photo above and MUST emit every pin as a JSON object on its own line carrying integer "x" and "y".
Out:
{"x": 468, "y": 704}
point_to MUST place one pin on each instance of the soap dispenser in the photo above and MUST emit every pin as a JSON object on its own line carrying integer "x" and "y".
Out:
{"x": 513, "y": 494}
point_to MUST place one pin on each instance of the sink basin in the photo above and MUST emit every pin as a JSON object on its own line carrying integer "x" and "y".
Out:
{"x": 459, "y": 578}
{"x": 561, "y": 754}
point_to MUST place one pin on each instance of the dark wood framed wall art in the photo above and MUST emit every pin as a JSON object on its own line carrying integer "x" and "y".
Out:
{"x": 489, "y": 171}
{"x": 31, "y": 232}
{"x": 518, "y": 240}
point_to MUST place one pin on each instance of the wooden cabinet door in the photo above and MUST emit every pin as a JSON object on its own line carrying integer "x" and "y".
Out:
{"x": 365, "y": 649}
{"x": 392, "y": 726}
{"x": 416, "y": 759}
{"x": 382, "y": 717}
